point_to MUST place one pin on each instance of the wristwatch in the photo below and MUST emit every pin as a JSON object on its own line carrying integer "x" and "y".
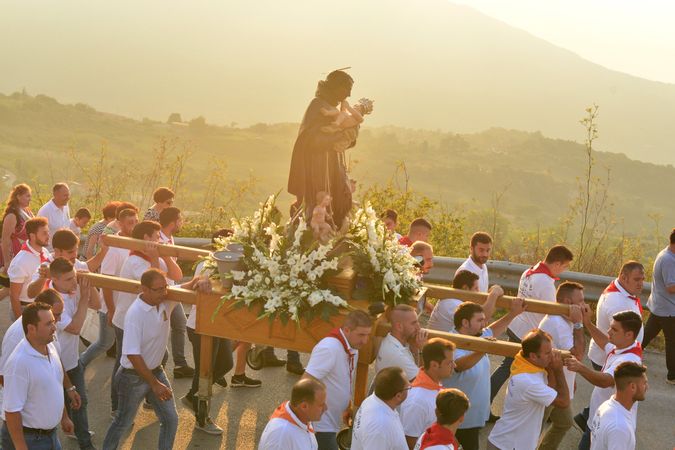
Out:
{"x": 71, "y": 389}
{"x": 578, "y": 326}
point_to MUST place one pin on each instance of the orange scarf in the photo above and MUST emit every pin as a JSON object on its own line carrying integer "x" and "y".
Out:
{"x": 424, "y": 381}
{"x": 282, "y": 413}
{"x": 522, "y": 365}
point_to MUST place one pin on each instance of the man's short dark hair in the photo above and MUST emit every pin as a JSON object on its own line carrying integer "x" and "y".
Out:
{"x": 451, "y": 405}
{"x": 49, "y": 297}
{"x": 33, "y": 225}
{"x": 566, "y": 289}
{"x": 420, "y": 222}
{"x": 672, "y": 237}
{"x": 480, "y": 237}
{"x": 559, "y": 254}
{"x": 150, "y": 276}
{"x": 627, "y": 372}
{"x": 389, "y": 382}
{"x": 223, "y": 232}
{"x": 83, "y": 213}
{"x": 357, "y": 318}
{"x": 58, "y": 186}
{"x": 465, "y": 311}
{"x": 464, "y": 278}
{"x": 169, "y": 215}
{"x": 145, "y": 228}
{"x": 128, "y": 212}
{"x": 630, "y": 321}
{"x": 110, "y": 209}
{"x": 435, "y": 350}
{"x": 122, "y": 206}
{"x": 390, "y": 214}
{"x": 533, "y": 340}
{"x": 162, "y": 195}
{"x": 31, "y": 315}
{"x": 65, "y": 239}
{"x": 305, "y": 389}
{"x": 60, "y": 266}
{"x": 629, "y": 266}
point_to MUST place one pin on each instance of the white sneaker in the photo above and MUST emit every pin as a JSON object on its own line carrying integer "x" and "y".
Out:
{"x": 209, "y": 427}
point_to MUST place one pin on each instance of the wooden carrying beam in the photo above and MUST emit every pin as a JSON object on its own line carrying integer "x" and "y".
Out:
{"x": 175, "y": 294}
{"x": 536, "y": 306}
{"x": 175, "y": 251}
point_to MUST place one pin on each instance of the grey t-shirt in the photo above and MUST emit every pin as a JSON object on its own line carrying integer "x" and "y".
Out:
{"x": 660, "y": 302}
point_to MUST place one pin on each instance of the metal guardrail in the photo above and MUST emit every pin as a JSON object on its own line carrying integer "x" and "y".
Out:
{"x": 503, "y": 273}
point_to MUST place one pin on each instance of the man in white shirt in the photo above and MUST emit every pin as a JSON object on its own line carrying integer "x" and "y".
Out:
{"x": 290, "y": 426}
{"x": 528, "y": 394}
{"x": 56, "y": 210}
{"x": 472, "y": 369}
{"x": 146, "y": 332}
{"x": 34, "y": 401}
{"x": 479, "y": 254}
{"x": 537, "y": 282}
{"x": 32, "y": 254}
{"x": 333, "y": 362}
{"x": 377, "y": 425}
{"x": 396, "y": 349}
{"x": 78, "y": 296}
{"x": 451, "y": 405}
{"x": 81, "y": 219}
{"x": 171, "y": 221}
{"x": 613, "y": 427}
{"x": 620, "y": 345}
{"x": 418, "y": 411}
{"x": 567, "y": 333}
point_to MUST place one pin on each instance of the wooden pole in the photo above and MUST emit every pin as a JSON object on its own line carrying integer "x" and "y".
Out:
{"x": 536, "y": 306}
{"x": 175, "y": 294}
{"x": 175, "y": 251}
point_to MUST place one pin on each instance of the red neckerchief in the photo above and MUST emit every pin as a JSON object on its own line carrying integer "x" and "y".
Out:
{"x": 424, "y": 381}
{"x": 405, "y": 240}
{"x": 636, "y": 350}
{"x": 612, "y": 288}
{"x": 26, "y": 248}
{"x": 438, "y": 435}
{"x": 337, "y": 334}
{"x": 540, "y": 267}
{"x": 282, "y": 413}
{"x": 140, "y": 255}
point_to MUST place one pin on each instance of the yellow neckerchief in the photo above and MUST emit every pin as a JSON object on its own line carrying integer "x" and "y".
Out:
{"x": 522, "y": 365}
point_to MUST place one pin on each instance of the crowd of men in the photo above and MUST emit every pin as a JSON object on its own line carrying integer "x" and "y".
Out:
{"x": 426, "y": 393}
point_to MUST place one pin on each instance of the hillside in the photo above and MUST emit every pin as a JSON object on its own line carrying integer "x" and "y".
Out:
{"x": 428, "y": 64}
{"x": 538, "y": 174}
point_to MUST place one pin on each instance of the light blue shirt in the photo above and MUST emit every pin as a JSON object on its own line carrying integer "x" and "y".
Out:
{"x": 475, "y": 383}
{"x": 660, "y": 302}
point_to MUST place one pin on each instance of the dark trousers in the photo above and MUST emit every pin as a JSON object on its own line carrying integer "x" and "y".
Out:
{"x": 326, "y": 441}
{"x": 503, "y": 372}
{"x": 468, "y": 438}
{"x": 291, "y": 355}
{"x": 79, "y": 416}
{"x": 653, "y": 326}
{"x": 221, "y": 361}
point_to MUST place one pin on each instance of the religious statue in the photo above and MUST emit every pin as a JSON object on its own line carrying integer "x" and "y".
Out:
{"x": 321, "y": 220}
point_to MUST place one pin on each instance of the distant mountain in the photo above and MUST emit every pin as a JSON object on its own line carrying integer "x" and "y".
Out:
{"x": 538, "y": 175}
{"x": 428, "y": 64}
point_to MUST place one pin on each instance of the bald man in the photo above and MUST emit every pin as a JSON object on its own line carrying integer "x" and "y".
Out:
{"x": 401, "y": 346}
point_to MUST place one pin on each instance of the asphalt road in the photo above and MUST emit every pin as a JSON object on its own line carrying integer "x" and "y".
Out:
{"x": 243, "y": 413}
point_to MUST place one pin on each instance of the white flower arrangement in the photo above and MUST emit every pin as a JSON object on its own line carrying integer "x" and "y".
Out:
{"x": 285, "y": 268}
{"x": 378, "y": 255}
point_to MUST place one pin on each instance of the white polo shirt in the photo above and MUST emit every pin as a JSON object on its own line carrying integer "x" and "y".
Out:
{"x": 112, "y": 265}
{"x": 534, "y": 285}
{"x": 34, "y": 386}
{"x": 132, "y": 269}
{"x": 443, "y": 315}
{"x": 377, "y": 427}
{"x": 283, "y": 434}
{"x": 70, "y": 343}
{"x": 526, "y": 398}
{"x": 10, "y": 341}
{"x": 192, "y": 318}
{"x": 23, "y": 266}
{"x": 612, "y": 427}
{"x": 394, "y": 354}
{"x": 146, "y": 332}
{"x": 58, "y": 218}
{"x": 482, "y": 272}
{"x": 562, "y": 332}
{"x": 615, "y": 299}
{"x": 330, "y": 364}
{"x": 418, "y": 411}
{"x": 614, "y": 357}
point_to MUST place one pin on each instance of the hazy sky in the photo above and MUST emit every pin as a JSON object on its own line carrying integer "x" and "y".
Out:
{"x": 632, "y": 36}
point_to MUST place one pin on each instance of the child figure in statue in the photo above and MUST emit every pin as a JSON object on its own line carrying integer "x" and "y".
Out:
{"x": 321, "y": 219}
{"x": 347, "y": 116}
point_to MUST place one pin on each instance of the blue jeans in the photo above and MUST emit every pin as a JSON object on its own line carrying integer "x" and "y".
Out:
{"x": 79, "y": 416}
{"x": 132, "y": 389}
{"x": 326, "y": 440}
{"x": 178, "y": 330}
{"x": 33, "y": 441}
{"x": 106, "y": 338}
{"x": 585, "y": 442}
{"x": 119, "y": 337}
{"x": 503, "y": 372}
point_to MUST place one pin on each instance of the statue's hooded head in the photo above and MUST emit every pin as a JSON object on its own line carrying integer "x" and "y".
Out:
{"x": 336, "y": 87}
